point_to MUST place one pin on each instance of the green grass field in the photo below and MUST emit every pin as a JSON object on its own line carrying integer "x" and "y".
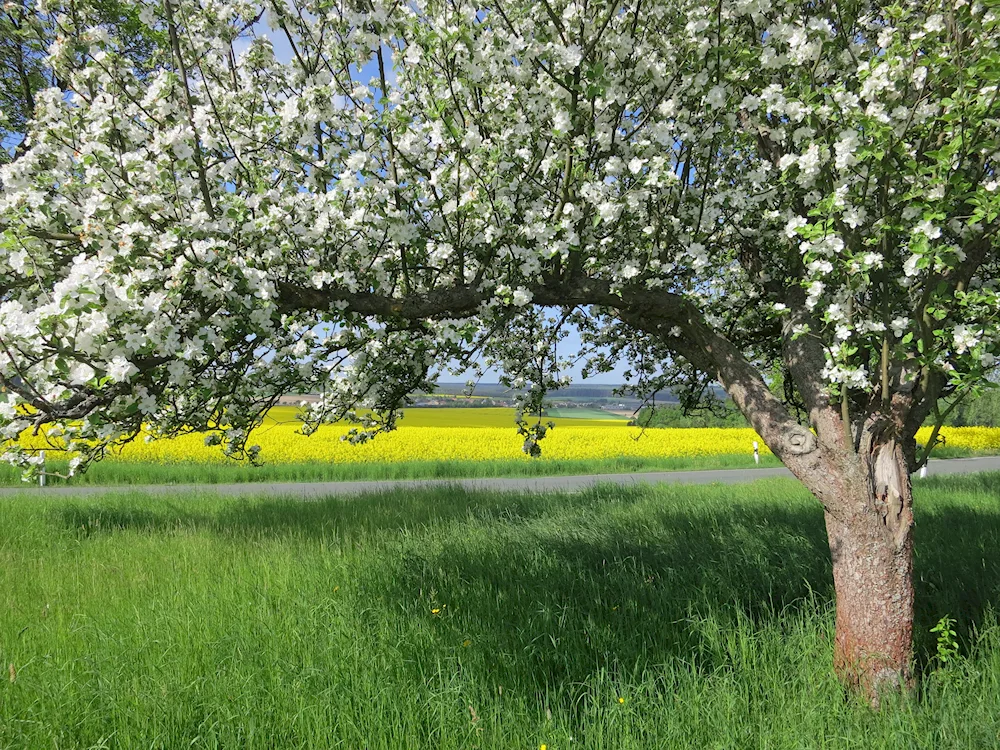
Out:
{"x": 667, "y": 617}
{"x": 112, "y": 473}
{"x": 582, "y": 413}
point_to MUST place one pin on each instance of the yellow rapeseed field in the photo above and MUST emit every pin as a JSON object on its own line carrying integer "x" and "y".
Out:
{"x": 976, "y": 439}
{"x": 282, "y": 444}
{"x": 418, "y": 440}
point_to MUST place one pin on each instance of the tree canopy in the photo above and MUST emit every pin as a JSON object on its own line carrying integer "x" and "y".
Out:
{"x": 705, "y": 189}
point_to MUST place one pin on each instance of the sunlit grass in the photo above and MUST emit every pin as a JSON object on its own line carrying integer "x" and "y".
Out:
{"x": 110, "y": 472}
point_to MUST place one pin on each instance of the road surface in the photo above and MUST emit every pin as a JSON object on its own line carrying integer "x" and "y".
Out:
{"x": 511, "y": 484}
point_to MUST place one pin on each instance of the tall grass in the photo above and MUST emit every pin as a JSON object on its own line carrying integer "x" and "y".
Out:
{"x": 645, "y": 617}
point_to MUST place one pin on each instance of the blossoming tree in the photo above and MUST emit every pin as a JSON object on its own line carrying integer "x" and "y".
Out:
{"x": 715, "y": 191}
{"x": 25, "y": 33}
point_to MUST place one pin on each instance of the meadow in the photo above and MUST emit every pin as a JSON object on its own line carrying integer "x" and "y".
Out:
{"x": 450, "y": 443}
{"x": 643, "y": 617}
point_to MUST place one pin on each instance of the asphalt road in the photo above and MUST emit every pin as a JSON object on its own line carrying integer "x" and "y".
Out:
{"x": 510, "y": 484}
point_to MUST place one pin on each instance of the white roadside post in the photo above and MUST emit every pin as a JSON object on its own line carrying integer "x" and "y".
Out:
{"x": 41, "y": 477}
{"x": 756, "y": 452}
{"x": 923, "y": 471}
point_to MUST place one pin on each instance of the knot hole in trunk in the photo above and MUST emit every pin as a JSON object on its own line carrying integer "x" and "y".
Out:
{"x": 799, "y": 440}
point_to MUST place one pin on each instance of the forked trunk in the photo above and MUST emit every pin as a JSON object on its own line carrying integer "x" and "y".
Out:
{"x": 871, "y": 540}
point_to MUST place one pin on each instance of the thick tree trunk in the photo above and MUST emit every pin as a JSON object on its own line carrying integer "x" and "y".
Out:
{"x": 870, "y": 531}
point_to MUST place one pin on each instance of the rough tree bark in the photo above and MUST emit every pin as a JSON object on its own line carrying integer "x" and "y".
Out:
{"x": 867, "y": 500}
{"x": 869, "y": 521}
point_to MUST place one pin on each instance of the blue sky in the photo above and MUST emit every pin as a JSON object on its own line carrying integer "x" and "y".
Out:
{"x": 568, "y": 346}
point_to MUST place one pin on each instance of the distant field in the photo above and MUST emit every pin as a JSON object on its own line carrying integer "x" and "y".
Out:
{"x": 473, "y": 417}
{"x": 581, "y": 413}
{"x": 620, "y": 618}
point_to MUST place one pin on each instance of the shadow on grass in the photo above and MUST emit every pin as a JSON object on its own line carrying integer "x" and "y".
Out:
{"x": 556, "y": 587}
{"x": 684, "y": 585}
{"x": 620, "y": 592}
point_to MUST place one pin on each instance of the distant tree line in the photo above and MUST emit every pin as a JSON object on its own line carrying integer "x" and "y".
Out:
{"x": 673, "y": 415}
{"x": 981, "y": 410}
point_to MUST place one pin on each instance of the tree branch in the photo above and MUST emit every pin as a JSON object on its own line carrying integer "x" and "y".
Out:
{"x": 653, "y": 312}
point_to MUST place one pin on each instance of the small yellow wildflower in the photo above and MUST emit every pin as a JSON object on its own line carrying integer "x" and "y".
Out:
{"x": 466, "y": 643}
{"x": 435, "y": 611}
{"x": 620, "y": 699}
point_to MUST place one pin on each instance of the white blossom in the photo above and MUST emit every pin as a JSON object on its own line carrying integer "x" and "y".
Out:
{"x": 927, "y": 229}
{"x": 120, "y": 369}
{"x": 279, "y": 228}
{"x": 609, "y": 211}
{"x": 630, "y": 271}
{"x": 521, "y": 297}
{"x": 793, "y": 225}
{"x": 81, "y": 373}
{"x": 965, "y": 338}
